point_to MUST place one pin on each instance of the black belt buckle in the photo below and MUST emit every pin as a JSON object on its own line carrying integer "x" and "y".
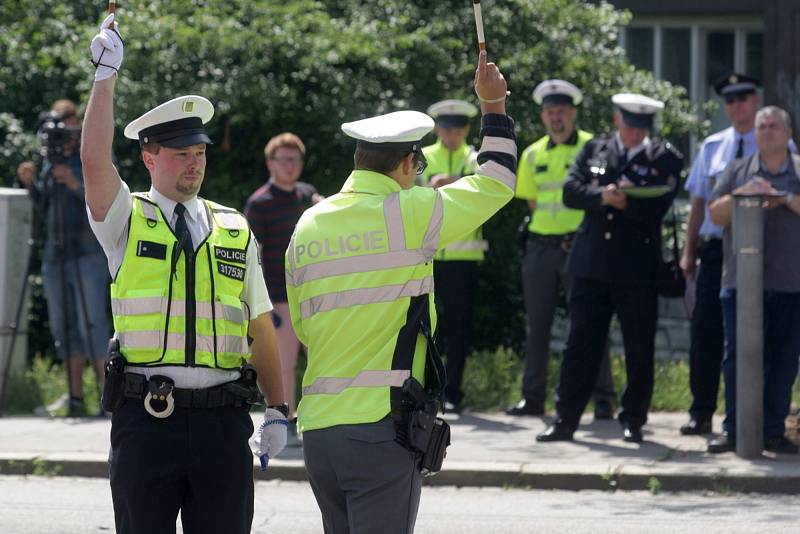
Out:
{"x": 159, "y": 401}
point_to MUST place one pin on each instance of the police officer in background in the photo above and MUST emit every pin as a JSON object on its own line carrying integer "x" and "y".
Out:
{"x": 614, "y": 260}
{"x": 540, "y": 180}
{"x": 187, "y": 293}
{"x": 704, "y": 242}
{"x": 360, "y": 285}
{"x": 455, "y": 268}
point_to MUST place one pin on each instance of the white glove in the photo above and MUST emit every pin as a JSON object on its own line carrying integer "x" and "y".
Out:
{"x": 270, "y": 438}
{"x": 106, "y": 49}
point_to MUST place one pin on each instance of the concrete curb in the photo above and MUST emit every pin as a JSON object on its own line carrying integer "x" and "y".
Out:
{"x": 466, "y": 475}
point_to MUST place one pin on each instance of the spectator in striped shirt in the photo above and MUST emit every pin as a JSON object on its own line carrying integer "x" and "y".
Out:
{"x": 272, "y": 211}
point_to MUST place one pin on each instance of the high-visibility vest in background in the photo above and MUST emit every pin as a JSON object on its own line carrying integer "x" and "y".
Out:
{"x": 543, "y": 169}
{"x": 359, "y": 277}
{"x": 460, "y": 162}
{"x": 151, "y": 293}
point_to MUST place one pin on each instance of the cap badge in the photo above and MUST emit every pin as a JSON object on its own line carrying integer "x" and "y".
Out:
{"x": 733, "y": 79}
{"x": 188, "y": 106}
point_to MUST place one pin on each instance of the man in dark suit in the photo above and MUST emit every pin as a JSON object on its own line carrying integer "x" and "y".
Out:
{"x": 614, "y": 260}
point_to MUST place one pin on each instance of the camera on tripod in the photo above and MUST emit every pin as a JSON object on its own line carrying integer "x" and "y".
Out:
{"x": 57, "y": 136}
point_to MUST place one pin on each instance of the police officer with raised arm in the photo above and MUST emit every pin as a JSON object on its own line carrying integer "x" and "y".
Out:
{"x": 614, "y": 260}
{"x": 187, "y": 296}
{"x": 543, "y": 168}
{"x": 359, "y": 276}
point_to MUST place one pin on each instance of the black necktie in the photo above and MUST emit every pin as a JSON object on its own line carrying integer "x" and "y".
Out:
{"x": 740, "y": 149}
{"x": 182, "y": 231}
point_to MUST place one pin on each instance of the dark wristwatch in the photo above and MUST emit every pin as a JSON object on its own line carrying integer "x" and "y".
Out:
{"x": 283, "y": 408}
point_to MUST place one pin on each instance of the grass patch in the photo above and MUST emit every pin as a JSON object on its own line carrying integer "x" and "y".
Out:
{"x": 44, "y": 382}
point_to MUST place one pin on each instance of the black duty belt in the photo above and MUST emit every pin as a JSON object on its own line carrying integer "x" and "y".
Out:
{"x": 555, "y": 240}
{"x": 137, "y": 387}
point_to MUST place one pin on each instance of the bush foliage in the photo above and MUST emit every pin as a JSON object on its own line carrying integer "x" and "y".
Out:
{"x": 308, "y": 65}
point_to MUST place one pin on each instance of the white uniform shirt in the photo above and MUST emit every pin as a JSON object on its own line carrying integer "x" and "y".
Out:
{"x": 112, "y": 233}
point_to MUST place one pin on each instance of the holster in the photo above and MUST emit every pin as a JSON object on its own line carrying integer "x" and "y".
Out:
{"x": 421, "y": 430}
{"x": 114, "y": 385}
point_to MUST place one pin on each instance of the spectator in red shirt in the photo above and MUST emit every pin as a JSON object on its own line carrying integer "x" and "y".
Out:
{"x": 272, "y": 211}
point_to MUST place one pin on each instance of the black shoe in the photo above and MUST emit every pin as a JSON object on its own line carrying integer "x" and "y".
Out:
{"x": 631, "y": 433}
{"x": 725, "y": 443}
{"x": 603, "y": 410}
{"x": 76, "y": 408}
{"x": 780, "y": 445}
{"x": 696, "y": 426}
{"x": 558, "y": 431}
{"x": 526, "y": 407}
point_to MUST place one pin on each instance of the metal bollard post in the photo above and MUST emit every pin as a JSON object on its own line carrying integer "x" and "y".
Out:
{"x": 748, "y": 245}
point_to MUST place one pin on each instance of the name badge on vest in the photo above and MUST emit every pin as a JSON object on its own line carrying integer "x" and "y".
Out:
{"x": 233, "y": 255}
{"x": 231, "y": 271}
{"x": 149, "y": 249}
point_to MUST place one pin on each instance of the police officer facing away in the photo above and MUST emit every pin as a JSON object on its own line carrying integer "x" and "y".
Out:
{"x": 359, "y": 279}
{"x": 614, "y": 261}
{"x": 455, "y": 267}
{"x": 542, "y": 170}
{"x": 187, "y": 293}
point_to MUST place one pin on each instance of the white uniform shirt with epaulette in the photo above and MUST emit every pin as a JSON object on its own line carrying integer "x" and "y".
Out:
{"x": 112, "y": 233}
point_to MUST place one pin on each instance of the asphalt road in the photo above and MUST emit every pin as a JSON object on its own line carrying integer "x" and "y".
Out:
{"x": 35, "y": 505}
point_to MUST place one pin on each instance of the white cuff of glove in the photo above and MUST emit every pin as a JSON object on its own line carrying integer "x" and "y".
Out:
{"x": 270, "y": 437}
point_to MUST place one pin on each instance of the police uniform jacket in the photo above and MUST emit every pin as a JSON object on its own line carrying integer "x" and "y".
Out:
{"x": 619, "y": 246}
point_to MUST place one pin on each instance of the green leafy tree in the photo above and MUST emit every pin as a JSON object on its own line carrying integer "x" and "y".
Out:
{"x": 308, "y": 65}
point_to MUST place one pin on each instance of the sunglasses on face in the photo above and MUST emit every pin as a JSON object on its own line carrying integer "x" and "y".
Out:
{"x": 741, "y": 97}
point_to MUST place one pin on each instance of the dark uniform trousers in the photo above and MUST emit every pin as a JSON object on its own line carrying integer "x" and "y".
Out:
{"x": 363, "y": 480}
{"x": 196, "y": 461}
{"x": 456, "y": 283}
{"x": 706, "y": 350}
{"x": 543, "y": 272}
{"x": 592, "y": 304}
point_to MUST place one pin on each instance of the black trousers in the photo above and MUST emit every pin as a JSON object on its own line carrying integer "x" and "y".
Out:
{"x": 591, "y": 306}
{"x": 196, "y": 461}
{"x": 456, "y": 282}
{"x": 706, "y": 350}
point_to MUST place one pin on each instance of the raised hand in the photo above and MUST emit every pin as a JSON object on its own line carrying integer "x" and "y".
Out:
{"x": 107, "y": 49}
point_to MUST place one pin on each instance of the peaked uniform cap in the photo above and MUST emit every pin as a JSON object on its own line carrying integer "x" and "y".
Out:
{"x": 175, "y": 124}
{"x": 452, "y": 113}
{"x": 637, "y": 110}
{"x": 735, "y": 83}
{"x": 554, "y": 92}
{"x": 397, "y": 128}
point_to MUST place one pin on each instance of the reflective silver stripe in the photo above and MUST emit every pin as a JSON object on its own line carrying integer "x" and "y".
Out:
{"x": 151, "y": 339}
{"x": 367, "y": 295}
{"x": 359, "y": 264}
{"x": 230, "y": 221}
{"x": 432, "y": 235}
{"x": 492, "y": 169}
{"x": 364, "y": 379}
{"x": 553, "y": 206}
{"x": 137, "y": 306}
{"x": 499, "y": 144}
{"x": 394, "y": 222}
{"x": 142, "y": 306}
{"x": 149, "y": 210}
{"x": 550, "y": 186}
{"x": 469, "y": 245}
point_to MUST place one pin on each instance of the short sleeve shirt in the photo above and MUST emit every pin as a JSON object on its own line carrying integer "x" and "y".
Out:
{"x": 781, "y": 225}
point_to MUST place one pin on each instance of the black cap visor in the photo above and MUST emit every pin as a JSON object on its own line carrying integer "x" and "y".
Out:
{"x": 637, "y": 120}
{"x": 176, "y": 134}
{"x": 452, "y": 121}
{"x": 557, "y": 99}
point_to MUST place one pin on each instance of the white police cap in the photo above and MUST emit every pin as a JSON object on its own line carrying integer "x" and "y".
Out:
{"x": 637, "y": 110}
{"x": 554, "y": 92}
{"x": 400, "y": 130}
{"x": 177, "y": 123}
{"x": 452, "y": 113}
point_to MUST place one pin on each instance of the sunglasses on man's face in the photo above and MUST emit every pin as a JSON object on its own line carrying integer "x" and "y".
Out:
{"x": 741, "y": 97}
